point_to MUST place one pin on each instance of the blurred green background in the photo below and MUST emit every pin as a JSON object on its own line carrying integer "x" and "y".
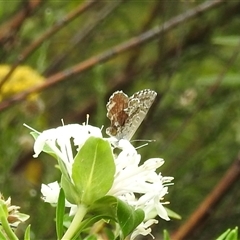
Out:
{"x": 194, "y": 67}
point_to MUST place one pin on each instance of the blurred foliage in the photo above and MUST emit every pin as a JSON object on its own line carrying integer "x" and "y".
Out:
{"x": 195, "y": 121}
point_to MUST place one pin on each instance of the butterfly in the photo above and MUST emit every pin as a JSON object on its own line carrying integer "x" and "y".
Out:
{"x": 127, "y": 113}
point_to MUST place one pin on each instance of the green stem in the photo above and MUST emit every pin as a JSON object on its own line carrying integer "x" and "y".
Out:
{"x": 9, "y": 232}
{"x": 81, "y": 211}
{"x": 4, "y": 222}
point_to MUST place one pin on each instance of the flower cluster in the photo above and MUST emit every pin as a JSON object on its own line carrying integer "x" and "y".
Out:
{"x": 139, "y": 186}
{"x": 11, "y": 212}
{"x": 22, "y": 78}
{"x": 131, "y": 178}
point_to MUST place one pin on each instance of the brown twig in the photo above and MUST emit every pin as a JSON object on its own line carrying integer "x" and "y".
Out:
{"x": 132, "y": 67}
{"x": 134, "y": 56}
{"x": 133, "y": 42}
{"x": 210, "y": 202}
{"x": 83, "y": 34}
{"x": 31, "y": 48}
{"x": 9, "y": 28}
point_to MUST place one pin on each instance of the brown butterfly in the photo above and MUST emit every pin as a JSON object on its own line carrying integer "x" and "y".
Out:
{"x": 127, "y": 113}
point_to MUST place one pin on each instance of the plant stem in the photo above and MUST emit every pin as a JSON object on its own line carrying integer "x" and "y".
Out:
{"x": 7, "y": 229}
{"x": 81, "y": 211}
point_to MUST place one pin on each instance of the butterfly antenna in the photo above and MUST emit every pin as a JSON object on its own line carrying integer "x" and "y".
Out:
{"x": 144, "y": 145}
{"x": 143, "y": 140}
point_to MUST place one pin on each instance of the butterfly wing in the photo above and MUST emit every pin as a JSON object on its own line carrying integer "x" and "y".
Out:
{"x": 138, "y": 107}
{"x": 116, "y": 112}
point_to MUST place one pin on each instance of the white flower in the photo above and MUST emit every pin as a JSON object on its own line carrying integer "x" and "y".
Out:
{"x": 11, "y": 213}
{"x": 132, "y": 178}
{"x": 144, "y": 229}
{"x": 58, "y": 140}
{"x": 50, "y": 194}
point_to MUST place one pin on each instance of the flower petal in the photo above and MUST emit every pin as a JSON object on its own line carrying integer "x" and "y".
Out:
{"x": 50, "y": 192}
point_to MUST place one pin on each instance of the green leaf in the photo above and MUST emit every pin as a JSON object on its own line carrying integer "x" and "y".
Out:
{"x": 223, "y": 235}
{"x": 112, "y": 208}
{"x": 230, "y": 41}
{"x": 233, "y": 235}
{"x": 93, "y": 170}
{"x": 3, "y": 209}
{"x": 113, "y": 211}
{"x": 106, "y": 207}
{"x": 231, "y": 80}
{"x": 60, "y": 214}
{"x": 9, "y": 234}
{"x": 69, "y": 189}
{"x": 128, "y": 218}
{"x": 35, "y": 135}
{"x": 229, "y": 235}
{"x": 88, "y": 223}
{"x": 2, "y": 235}
{"x": 172, "y": 214}
{"x": 27, "y": 233}
{"x": 91, "y": 237}
{"x": 7, "y": 229}
{"x": 166, "y": 235}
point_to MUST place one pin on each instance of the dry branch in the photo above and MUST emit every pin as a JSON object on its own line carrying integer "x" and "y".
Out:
{"x": 50, "y": 32}
{"x": 82, "y": 34}
{"x": 211, "y": 201}
{"x": 9, "y": 28}
{"x": 108, "y": 54}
